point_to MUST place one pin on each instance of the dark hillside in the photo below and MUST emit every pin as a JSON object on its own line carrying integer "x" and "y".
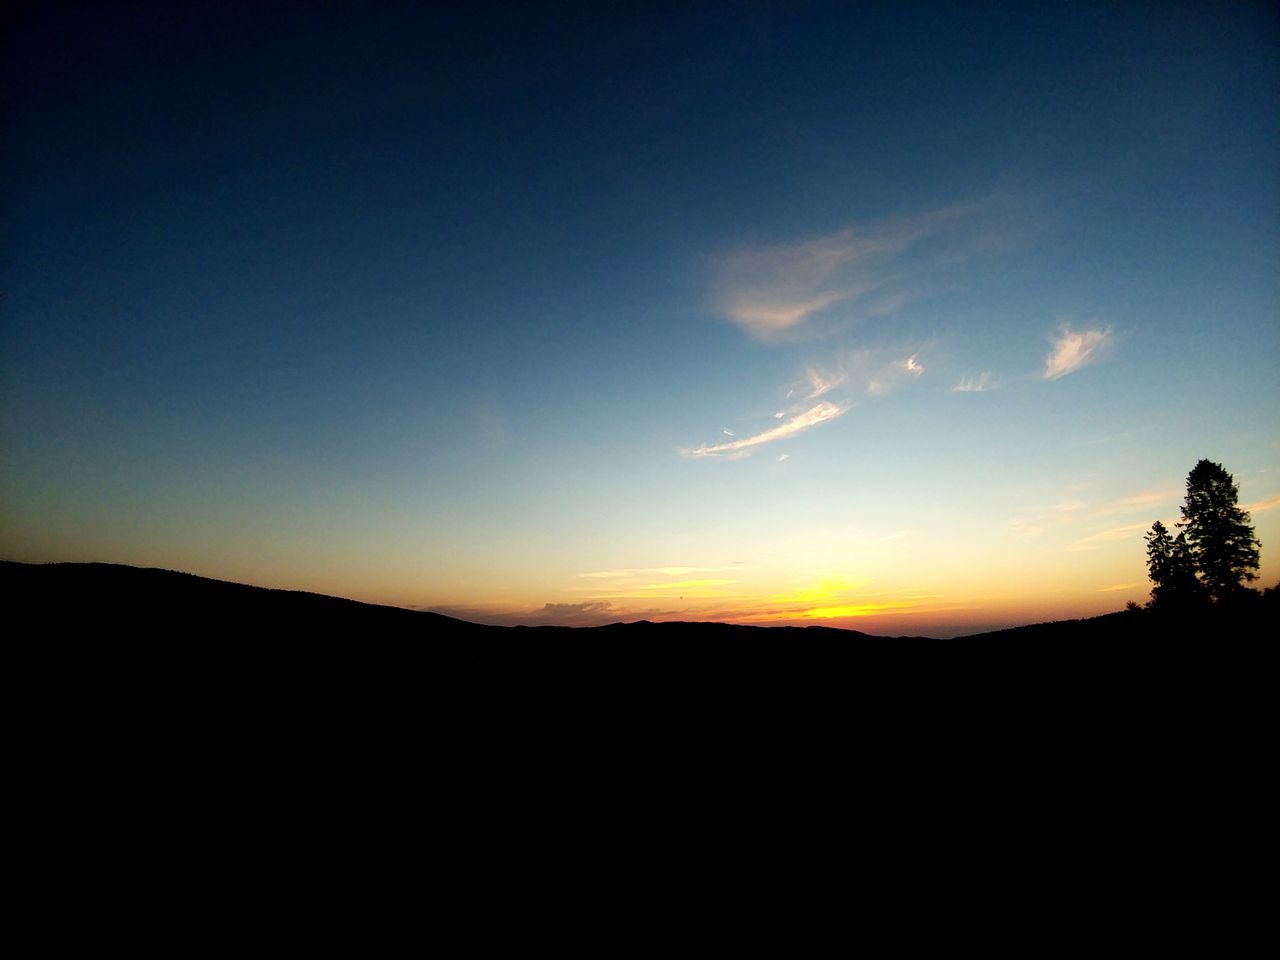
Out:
{"x": 150, "y": 603}
{"x": 137, "y": 676}
{"x": 161, "y": 619}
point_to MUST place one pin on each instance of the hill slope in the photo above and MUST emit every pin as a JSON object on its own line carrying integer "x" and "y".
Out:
{"x": 280, "y": 630}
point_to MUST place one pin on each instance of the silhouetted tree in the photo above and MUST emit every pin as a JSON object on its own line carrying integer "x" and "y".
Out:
{"x": 1172, "y": 571}
{"x": 1219, "y": 536}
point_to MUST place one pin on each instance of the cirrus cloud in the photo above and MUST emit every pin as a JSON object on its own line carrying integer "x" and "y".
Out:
{"x": 821, "y": 413}
{"x": 1073, "y": 349}
{"x": 770, "y": 291}
{"x": 979, "y": 384}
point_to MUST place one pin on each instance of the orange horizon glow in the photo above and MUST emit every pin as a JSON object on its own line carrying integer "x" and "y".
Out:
{"x": 1074, "y": 556}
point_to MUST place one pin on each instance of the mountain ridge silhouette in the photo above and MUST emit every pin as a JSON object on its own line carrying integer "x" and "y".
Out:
{"x": 114, "y": 654}
{"x": 150, "y": 596}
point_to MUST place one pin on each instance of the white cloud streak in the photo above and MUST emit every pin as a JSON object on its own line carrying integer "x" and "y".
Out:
{"x": 1073, "y": 349}
{"x": 979, "y": 384}
{"x": 821, "y": 413}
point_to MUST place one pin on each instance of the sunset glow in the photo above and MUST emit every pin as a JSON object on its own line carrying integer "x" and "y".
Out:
{"x": 905, "y": 321}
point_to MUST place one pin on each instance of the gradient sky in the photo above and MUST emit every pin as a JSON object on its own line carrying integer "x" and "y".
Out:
{"x": 908, "y": 319}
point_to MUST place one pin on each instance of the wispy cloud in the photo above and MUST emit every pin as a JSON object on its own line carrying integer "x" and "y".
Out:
{"x": 1119, "y": 586}
{"x": 1146, "y": 498}
{"x": 979, "y": 384}
{"x": 1135, "y": 502}
{"x": 1072, "y": 349}
{"x": 681, "y": 586}
{"x": 896, "y": 535}
{"x": 649, "y": 571}
{"x": 727, "y": 432}
{"x": 1127, "y": 532}
{"x": 1269, "y": 503}
{"x": 763, "y": 315}
{"x": 873, "y": 368}
{"x": 769, "y": 290}
{"x": 1069, "y": 510}
{"x": 1036, "y": 520}
{"x": 1021, "y": 527}
{"x": 821, "y": 413}
{"x": 772, "y": 290}
{"x": 821, "y": 382}
{"x": 646, "y": 584}
{"x": 1068, "y": 513}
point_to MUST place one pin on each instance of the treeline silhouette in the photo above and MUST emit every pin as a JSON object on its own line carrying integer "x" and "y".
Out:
{"x": 1201, "y": 575}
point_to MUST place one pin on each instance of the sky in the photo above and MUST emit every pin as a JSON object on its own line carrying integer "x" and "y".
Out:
{"x": 907, "y": 318}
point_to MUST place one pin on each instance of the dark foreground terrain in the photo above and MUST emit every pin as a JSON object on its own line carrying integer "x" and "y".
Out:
{"x": 125, "y": 674}
{"x": 79, "y": 602}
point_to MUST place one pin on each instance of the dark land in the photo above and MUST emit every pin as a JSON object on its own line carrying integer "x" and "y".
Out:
{"x": 76, "y": 601}
{"x": 133, "y": 673}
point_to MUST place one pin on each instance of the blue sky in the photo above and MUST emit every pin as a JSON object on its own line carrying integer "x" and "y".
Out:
{"x": 461, "y": 308}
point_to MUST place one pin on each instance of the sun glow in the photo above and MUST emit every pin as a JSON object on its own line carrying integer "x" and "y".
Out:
{"x": 842, "y": 611}
{"x": 820, "y": 591}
